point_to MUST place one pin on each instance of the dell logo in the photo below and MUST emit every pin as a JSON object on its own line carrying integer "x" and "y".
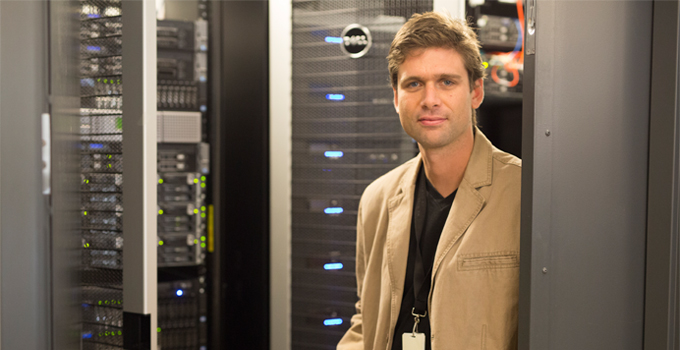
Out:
{"x": 356, "y": 40}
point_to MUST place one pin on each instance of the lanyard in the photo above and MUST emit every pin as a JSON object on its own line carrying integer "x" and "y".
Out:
{"x": 421, "y": 278}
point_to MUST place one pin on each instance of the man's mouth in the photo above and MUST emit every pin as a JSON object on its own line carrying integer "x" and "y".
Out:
{"x": 431, "y": 121}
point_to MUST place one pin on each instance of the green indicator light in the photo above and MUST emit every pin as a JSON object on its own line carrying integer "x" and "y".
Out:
{"x": 160, "y": 181}
{"x": 195, "y": 211}
{"x": 195, "y": 241}
{"x": 202, "y": 245}
{"x": 203, "y": 238}
{"x": 203, "y": 184}
{"x": 486, "y": 64}
{"x": 108, "y": 166}
{"x": 86, "y": 245}
{"x": 120, "y": 332}
{"x": 100, "y": 302}
{"x": 99, "y": 80}
{"x": 84, "y": 213}
{"x": 203, "y": 208}
{"x": 109, "y": 156}
{"x": 160, "y": 242}
{"x": 119, "y": 123}
{"x": 160, "y": 212}
{"x": 202, "y": 178}
{"x": 195, "y": 181}
{"x": 202, "y": 215}
{"x": 158, "y": 329}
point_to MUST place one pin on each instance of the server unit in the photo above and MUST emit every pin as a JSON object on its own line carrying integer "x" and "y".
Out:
{"x": 182, "y": 314}
{"x": 345, "y": 134}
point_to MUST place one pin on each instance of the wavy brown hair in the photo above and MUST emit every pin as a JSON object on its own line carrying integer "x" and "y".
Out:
{"x": 436, "y": 29}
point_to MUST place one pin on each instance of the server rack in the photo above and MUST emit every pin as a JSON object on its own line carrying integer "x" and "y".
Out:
{"x": 345, "y": 134}
{"x": 499, "y": 27}
{"x": 183, "y": 166}
{"x": 101, "y": 166}
{"x": 183, "y": 170}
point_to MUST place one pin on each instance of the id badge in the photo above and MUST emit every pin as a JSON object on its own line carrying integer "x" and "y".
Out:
{"x": 411, "y": 342}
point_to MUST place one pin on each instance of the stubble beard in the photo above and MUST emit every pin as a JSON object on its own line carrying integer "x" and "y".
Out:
{"x": 441, "y": 136}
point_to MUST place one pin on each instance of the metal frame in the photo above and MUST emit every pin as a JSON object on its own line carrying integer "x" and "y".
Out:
{"x": 661, "y": 290}
{"x": 215, "y": 125}
{"x": 139, "y": 150}
{"x": 583, "y": 183}
{"x": 534, "y": 323}
{"x": 245, "y": 174}
{"x": 25, "y": 226}
{"x": 0, "y": 192}
{"x": 66, "y": 238}
{"x": 280, "y": 148}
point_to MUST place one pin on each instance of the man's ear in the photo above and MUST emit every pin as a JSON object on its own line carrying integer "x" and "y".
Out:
{"x": 396, "y": 99}
{"x": 478, "y": 93}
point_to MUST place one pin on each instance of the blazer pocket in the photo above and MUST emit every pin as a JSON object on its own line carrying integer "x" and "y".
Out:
{"x": 484, "y": 261}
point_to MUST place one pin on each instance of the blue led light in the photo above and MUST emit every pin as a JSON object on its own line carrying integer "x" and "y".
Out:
{"x": 93, "y": 15}
{"x": 335, "y": 97}
{"x": 87, "y": 335}
{"x": 333, "y": 210}
{"x": 333, "y": 39}
{"x": 96, "y": 146}
{"x": 332, "y": 266}
{"x": 333, "y": 154}
{"x": 179, "y": 292}
{"x": 94, "y": 48}
{"x": 332, "y": 322}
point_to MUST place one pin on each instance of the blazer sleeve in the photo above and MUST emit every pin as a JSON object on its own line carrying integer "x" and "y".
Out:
{"x": 354, "y": 338}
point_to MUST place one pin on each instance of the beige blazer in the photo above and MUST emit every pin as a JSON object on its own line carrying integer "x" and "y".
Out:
{"x": 475, "y": 278}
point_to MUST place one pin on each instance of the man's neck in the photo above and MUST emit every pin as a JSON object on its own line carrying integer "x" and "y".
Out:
{"x": 445, "y": 167}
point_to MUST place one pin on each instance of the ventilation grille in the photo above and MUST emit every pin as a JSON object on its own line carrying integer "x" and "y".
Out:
{"x": 178, "y": 127}
{"x": 101, "y": 127}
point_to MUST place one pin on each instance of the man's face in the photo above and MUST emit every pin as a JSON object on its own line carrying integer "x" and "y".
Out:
{"x": 433, "y": 97}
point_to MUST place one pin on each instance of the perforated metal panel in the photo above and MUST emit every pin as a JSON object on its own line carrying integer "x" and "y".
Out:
{"x": 101, "y": 174}
{"x": 346, "y": 133}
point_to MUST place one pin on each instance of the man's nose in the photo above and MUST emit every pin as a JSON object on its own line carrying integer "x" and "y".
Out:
{"x": 431, "y": 97}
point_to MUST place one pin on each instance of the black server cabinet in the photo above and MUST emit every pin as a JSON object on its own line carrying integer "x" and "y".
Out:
{"x": 101, "y": 167}
{"x": 183, "y": 178}
{"x": 346, "y": 134}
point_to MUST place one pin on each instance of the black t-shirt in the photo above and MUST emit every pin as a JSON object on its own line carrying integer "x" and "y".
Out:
{"x": 435, "y": 209}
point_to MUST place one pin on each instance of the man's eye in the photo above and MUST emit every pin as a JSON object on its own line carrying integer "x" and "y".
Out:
{"x": 448, "y": 82}
{"x": 413, "y": 84}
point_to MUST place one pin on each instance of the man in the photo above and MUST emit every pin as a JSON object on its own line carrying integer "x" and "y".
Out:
{"x": 438, "y": 237}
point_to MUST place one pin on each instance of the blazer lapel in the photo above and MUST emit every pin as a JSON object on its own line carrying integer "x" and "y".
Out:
{"x": 400, "y": 209}
{"x": 468, "y": 202}
{"x": 466, "y": 206}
